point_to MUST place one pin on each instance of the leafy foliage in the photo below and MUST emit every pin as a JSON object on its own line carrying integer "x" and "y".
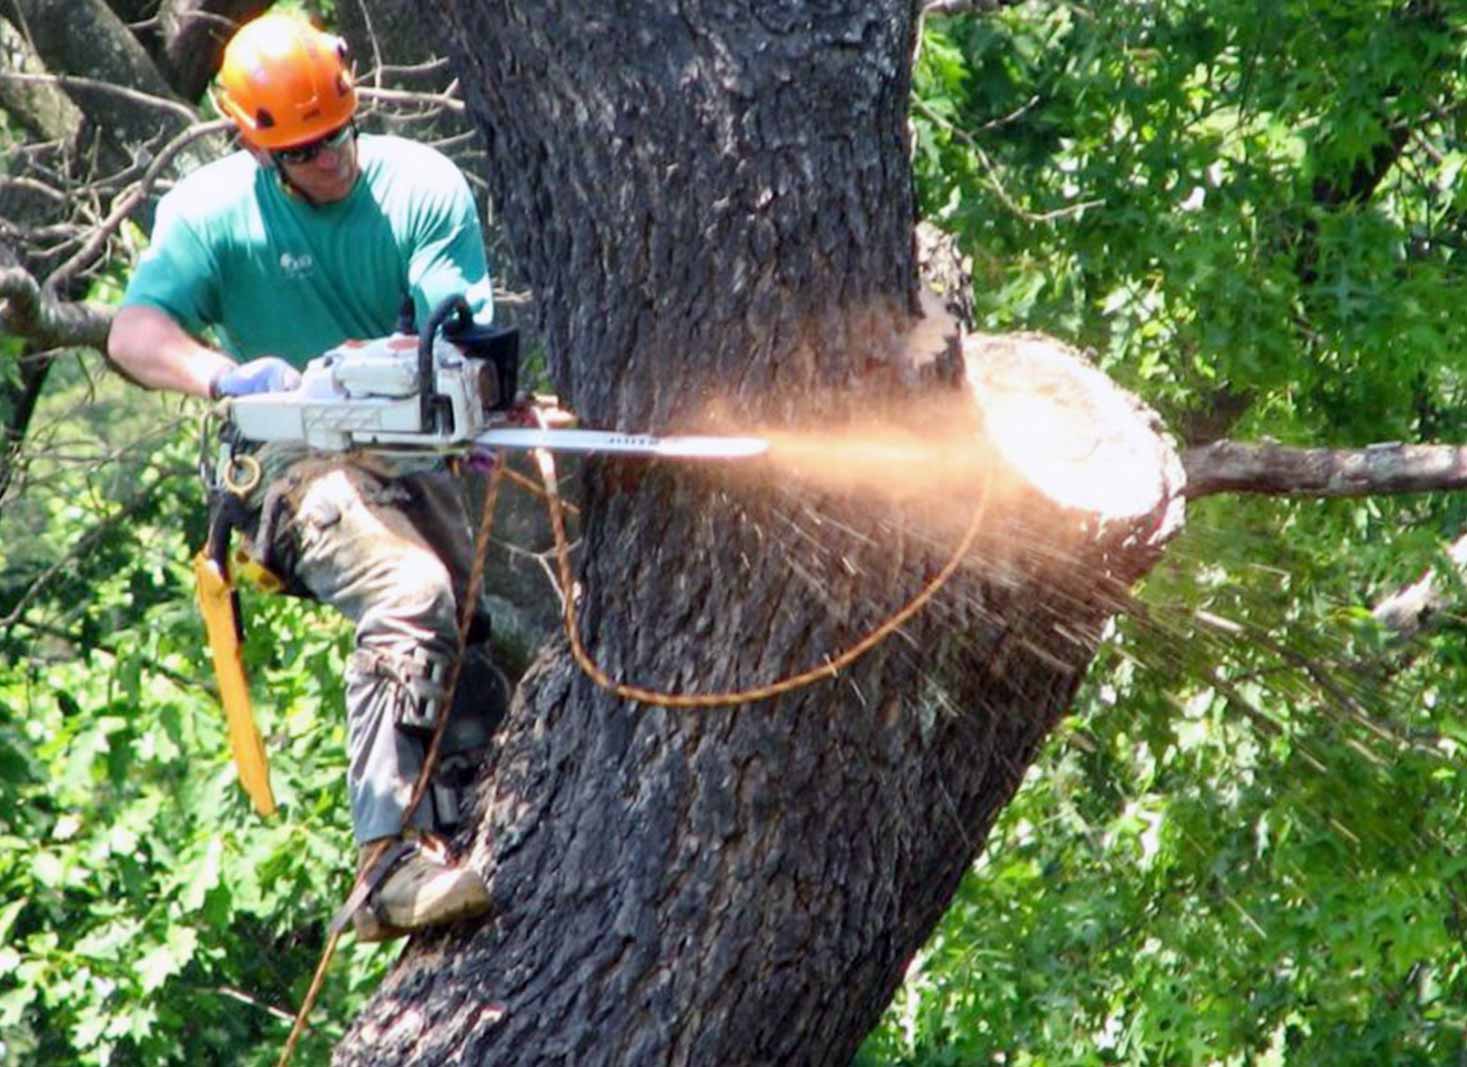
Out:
{"x": 149, "y": 917}
{"x": 1242, "y": 849}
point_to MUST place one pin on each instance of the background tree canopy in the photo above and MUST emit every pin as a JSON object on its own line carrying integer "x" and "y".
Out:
{"x": 1240, "y": 847}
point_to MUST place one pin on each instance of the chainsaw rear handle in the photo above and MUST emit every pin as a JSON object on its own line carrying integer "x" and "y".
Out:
{"x": 500, "y": 346}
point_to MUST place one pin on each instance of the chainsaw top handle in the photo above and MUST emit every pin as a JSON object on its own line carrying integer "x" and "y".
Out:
{"x": 499, "y": 345}
{"x": 451, "y": 306}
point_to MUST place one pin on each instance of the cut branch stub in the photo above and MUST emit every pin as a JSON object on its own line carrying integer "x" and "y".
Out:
{"x": 1080, "y": 451}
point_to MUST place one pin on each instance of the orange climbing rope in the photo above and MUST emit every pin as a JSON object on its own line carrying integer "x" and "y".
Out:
{"x": 828, "y": 669}
{"x": 557, "y": 508}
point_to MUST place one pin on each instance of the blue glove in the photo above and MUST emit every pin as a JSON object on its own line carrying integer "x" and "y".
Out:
{"x": 268, "y": 374}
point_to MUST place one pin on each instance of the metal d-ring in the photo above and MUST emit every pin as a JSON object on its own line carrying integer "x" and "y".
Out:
{"x": 240, "y": 486}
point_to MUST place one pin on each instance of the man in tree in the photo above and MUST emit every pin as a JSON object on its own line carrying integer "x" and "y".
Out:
{"x": 311, "y": 235}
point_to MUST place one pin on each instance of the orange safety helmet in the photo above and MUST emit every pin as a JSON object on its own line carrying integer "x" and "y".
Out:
{"x": 285, "y": 83}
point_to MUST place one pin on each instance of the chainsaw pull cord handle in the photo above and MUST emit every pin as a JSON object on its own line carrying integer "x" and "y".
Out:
{"x": 452, "y": 306}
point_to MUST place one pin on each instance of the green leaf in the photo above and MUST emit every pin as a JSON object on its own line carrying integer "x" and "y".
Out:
{"x": 167, "y": 959}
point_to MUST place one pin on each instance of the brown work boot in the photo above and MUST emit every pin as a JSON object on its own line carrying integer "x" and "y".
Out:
{"x": 424, "y": 888}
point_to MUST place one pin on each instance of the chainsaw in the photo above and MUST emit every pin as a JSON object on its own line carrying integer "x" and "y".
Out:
{"x": 451, "y": 389}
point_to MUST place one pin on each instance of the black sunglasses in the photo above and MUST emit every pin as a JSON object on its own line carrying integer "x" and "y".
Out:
{"x": 304, "y": 153}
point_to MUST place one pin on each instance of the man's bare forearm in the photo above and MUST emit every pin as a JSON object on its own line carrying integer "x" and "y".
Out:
{"x": 154, "y": 351}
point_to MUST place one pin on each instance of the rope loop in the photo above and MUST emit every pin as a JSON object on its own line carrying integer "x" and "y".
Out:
{"x": 828, "y": 670}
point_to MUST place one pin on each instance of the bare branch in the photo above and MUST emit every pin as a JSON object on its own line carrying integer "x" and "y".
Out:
{"x": 1239, "y": 467}
{"x": 85, "y": 43}
{"x": 444, "y": 99}
{"x": 124, "y": 205}
{"x": 437, "y": 65}
{"x": 30, "y": 185}
{"x": 71, "y": 81}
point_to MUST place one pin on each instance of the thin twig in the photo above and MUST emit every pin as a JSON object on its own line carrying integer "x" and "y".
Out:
{"x": 254, "y": 1002}
{"x": 126, "y": 203}
{"x": 407, "y": 96}
{"x": 428, "y": 66}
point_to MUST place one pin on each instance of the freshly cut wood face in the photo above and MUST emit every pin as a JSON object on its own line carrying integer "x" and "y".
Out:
{"x": 1067, "y": 431}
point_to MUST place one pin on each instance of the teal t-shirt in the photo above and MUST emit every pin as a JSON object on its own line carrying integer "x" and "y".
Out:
{"x": 273, "y": 275}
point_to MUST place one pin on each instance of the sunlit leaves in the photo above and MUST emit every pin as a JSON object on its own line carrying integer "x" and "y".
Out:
{"x": 149, "y": 916}
{"x": 1243, "y": 849}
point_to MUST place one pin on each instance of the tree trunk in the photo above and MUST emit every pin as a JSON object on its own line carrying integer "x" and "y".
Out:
{"x": 714, "y": 207}
{"x": 193, "y": 39}
{"x": 85, "y": 39}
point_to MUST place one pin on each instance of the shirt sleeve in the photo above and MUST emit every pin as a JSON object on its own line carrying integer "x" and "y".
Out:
{"x": 175, "y": 273}
{"x": 448, "y": 257}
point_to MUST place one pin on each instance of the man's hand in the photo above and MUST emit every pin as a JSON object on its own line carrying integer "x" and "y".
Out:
{"x": 268, "y": 374}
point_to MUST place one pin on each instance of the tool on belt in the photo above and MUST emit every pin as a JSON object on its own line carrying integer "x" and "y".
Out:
{"x": 449, "y": 390}
{"x": 219, "y": 604}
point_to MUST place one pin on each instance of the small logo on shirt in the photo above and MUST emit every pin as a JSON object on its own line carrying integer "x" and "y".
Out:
{"x": 293, "y": 266}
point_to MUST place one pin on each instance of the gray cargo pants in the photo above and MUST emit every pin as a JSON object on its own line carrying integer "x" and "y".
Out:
{"x": 392, "y": 553}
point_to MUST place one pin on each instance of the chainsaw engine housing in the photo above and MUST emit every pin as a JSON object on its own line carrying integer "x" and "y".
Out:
{"x": 365, "y": 393}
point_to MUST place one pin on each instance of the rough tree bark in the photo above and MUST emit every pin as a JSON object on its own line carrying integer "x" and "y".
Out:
{"x": 714, "y": 207}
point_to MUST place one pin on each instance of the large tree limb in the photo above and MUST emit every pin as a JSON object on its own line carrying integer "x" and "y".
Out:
{"x": 41, "y": 107}
{"x": 194, "y": 35}
{"x": 1271, "y": 469}
{"x": 85, "y": 39}
{"x": 72, "y": 82}
{"x": 43, "y": 320}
